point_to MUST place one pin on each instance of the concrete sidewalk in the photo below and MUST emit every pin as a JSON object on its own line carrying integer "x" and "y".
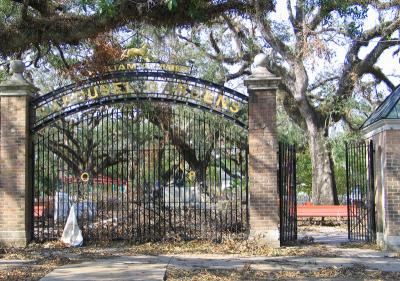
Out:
{"x": 146, "y": 268}
{"x": 143, "y": 268}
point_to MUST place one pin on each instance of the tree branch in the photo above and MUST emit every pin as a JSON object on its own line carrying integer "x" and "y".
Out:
{"x": 71, "y": 28}
{"x": 270, "y": 37}
{"x": 290, "y": 12}
{"x": 60, "y": 51}
{"x": 214, "y": 44}
{"x": 355, "y": 67}
{"x": 299, "y": 13}
{"x": 221, "y": 59}
{"x": 42, "y": 6}
{"x": 64, "y": 153}
{"x": 237, "y": 32}
{"x": 244, "y": 70}
{"x": 322, "y": 82}
{"x": 380, "y": 76}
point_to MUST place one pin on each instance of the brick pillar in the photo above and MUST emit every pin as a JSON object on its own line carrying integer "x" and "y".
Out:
{"x": 386, "y": 136}
{"x": 263, "y": 186}
{"x": 391, "y": 198}
{"x": 15, "y": 179}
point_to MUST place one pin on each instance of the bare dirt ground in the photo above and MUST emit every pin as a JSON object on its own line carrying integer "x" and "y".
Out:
{"x": 356, "y": 272}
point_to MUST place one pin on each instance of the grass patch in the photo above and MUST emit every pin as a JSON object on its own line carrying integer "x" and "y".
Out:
{"x": 356, "y": 272}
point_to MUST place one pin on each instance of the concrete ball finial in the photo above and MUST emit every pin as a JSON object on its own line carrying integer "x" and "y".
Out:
{"x": 17, "y": 66}
{"x": 260, "y": 60}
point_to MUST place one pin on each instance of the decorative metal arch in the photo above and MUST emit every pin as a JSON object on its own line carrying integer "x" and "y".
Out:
{"x": 140, "y": 85}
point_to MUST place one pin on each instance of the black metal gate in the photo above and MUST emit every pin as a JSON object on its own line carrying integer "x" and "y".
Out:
{"x": 360, "y": 191}
{"x": 141, "y": 171}
{"x": 287, "y": 193}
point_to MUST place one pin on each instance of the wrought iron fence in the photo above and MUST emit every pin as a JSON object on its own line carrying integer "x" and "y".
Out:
{"x": 141, "y": 172}
{"x": 287, "y": 193}
{"x": 360, "y": 191}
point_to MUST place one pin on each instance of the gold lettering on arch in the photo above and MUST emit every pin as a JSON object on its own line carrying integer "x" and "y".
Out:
{"x": 221, "y": 102}
{"x": 131, "y": 66}
{"x": 194, "y": 93}
{"x": 120, "y": 87}
{"x": 234, "y": 107}
{"x": 92, "y": 93}
{"x": 66, "y": 100}
{"x": 104, "y": 90}
{"x": 181, "y": 89}
{"x": 151, "y": 87}
{"x": 55, "y": 106}
{"x": 208, "y": 97}
{"x": 212, "y": 98}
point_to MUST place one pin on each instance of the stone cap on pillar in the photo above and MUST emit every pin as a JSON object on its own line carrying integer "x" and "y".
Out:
{"x": 17, "y": 85}
{"x": 261, "y": 78}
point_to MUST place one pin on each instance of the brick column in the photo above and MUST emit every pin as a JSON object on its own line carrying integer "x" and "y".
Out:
{"x": 386, "y": 136}
{"x": 391, "y": 184}
{"x": 15, "y": 179}
{"x": 263, "y": 186}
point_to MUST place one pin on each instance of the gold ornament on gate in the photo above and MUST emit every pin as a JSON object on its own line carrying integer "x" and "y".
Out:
{"x": 85, "y": 177}
{"x": 136, "y": 52}
{"x": 192, "y": 175}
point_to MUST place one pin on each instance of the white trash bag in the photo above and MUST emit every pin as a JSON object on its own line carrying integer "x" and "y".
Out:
{"x": 72, "y": 234}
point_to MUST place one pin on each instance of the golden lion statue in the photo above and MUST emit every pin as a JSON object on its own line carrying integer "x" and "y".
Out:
{"x": 136, "y": 52}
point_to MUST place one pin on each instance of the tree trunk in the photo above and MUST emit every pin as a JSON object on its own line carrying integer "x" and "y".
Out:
{"x": 323, "y": 178}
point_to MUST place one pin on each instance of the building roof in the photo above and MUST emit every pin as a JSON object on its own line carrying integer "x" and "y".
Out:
{"x": 389, "y": 109}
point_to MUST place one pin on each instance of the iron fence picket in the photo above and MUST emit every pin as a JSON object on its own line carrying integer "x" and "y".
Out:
{"x": 287, "y": 193}
{"x": 360, "y": 191}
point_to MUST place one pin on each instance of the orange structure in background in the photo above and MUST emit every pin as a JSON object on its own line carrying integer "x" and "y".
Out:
{"x": 310, "y": 210}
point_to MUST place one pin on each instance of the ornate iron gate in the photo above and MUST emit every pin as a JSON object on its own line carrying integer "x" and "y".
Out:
{"x": 360, "y": 191}
{"x": 145, "y": 171}
{"x": 287, "y": 193}
{"x": 145, "y": 151}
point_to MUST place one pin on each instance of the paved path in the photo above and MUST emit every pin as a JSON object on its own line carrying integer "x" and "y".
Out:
{"x": 146, "y": 268}
{"x": 137, "y": 268}
{"x": 324, "y": 234}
